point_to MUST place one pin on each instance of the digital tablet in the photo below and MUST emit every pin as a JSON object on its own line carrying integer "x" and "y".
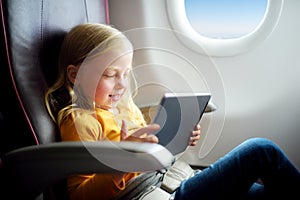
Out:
{"x": 177, "y": 115}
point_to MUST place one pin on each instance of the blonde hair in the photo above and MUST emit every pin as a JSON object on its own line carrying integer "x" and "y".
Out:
{"x": 81, "y": 43}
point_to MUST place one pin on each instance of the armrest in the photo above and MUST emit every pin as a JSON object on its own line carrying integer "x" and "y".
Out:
{"x": 35, "y": 167}
{"x": 211, "y": 107}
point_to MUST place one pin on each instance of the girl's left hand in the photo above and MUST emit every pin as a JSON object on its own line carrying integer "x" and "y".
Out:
{"x": 195, "y": 136}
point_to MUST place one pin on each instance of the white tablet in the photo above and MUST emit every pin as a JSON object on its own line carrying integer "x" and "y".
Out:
{"x": 177, "y": 115}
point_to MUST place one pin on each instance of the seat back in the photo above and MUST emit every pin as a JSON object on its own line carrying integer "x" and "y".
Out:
{"x": 31, "y": 35}
{"x": 32, "y": 32}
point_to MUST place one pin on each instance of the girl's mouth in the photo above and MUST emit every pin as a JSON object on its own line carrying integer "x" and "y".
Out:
{"x": 115, "y": 97}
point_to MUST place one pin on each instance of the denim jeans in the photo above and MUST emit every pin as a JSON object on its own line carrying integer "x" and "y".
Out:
{"x": 235, "y": 175}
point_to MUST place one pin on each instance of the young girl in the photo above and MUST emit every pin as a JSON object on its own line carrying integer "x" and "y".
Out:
{"x": 91, "y": 101}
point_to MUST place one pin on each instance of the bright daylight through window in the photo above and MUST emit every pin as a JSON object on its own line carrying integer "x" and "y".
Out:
{"x": 225, "y": 19}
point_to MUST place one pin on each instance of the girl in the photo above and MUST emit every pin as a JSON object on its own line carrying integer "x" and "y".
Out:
{"x": 91, "y": 101}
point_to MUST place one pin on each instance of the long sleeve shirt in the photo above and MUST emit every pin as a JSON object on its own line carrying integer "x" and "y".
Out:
{"x": 105, "y": 125}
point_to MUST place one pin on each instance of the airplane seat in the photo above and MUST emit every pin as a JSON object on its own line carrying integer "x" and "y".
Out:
{"x": 34, "y": 162}
{"x": 31, "y": 34}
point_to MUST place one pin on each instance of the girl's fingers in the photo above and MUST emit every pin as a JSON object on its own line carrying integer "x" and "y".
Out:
{"x": 147, "y": 129}
{"x": 198, "y": 127}
{"x": 195, "y": 136}
{"x": 141, "y": 135}
{"x": 124, "y": 134}
{"x": 150, "y": 138}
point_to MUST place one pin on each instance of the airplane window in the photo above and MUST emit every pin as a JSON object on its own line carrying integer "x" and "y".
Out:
{"x": 227, "y": 19}
{"x": 242, "y": 25}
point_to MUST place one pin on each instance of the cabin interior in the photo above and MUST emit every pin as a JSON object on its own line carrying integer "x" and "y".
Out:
{"x": 253, "y": 81}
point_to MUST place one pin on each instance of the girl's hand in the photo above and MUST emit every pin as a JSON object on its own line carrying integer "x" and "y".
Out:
{"x": 141, "y": 135}
{"x": 195, "y": 136}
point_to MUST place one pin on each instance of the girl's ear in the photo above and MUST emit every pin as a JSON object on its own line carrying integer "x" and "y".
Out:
{"x": 72, "y": 73}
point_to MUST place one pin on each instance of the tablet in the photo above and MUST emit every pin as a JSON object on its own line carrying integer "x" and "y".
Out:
{"x": 177, "y": 115}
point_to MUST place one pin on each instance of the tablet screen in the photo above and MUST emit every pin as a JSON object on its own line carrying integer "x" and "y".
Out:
{"x": 177, "y": 115}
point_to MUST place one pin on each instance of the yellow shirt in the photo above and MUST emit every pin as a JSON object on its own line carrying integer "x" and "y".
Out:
{"x": 104, "y": 126}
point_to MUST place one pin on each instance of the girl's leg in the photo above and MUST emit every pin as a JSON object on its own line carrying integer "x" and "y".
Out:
{"x": 233, "y": 175}
{"x": 257, "y": 192}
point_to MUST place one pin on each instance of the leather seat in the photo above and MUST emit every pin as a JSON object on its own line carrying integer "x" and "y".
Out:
{"x": 35, "y": 162}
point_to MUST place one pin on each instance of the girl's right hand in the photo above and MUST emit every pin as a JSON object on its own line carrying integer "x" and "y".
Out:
{"x": 141, "y": 135}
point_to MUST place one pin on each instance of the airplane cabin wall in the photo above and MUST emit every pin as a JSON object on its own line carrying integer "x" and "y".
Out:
{"x": 257, "y": 92}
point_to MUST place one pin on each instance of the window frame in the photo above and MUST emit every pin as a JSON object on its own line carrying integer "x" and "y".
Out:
{"x": 187, "y": 35}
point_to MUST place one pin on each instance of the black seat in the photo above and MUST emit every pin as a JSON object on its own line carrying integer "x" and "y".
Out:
{"x": 31, "y": 34}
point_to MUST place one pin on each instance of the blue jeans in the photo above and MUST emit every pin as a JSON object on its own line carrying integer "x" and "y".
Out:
{"x": 235, "y": 175}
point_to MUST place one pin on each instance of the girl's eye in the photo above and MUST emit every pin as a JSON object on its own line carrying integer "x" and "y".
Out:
{"x": 115, "y": 74}
{"x": 109, "y": 75}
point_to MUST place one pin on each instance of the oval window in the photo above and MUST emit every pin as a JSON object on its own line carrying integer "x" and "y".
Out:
{"x": 242, "y": 25}
{"x": 227, "y": 19}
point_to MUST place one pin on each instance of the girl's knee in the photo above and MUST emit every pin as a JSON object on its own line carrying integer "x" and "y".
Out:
{"x": 261, "y": 142}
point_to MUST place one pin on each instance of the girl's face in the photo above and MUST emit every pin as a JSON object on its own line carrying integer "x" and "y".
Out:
{"x": 103, "y": 79}
{"x": 113, "y": 82}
